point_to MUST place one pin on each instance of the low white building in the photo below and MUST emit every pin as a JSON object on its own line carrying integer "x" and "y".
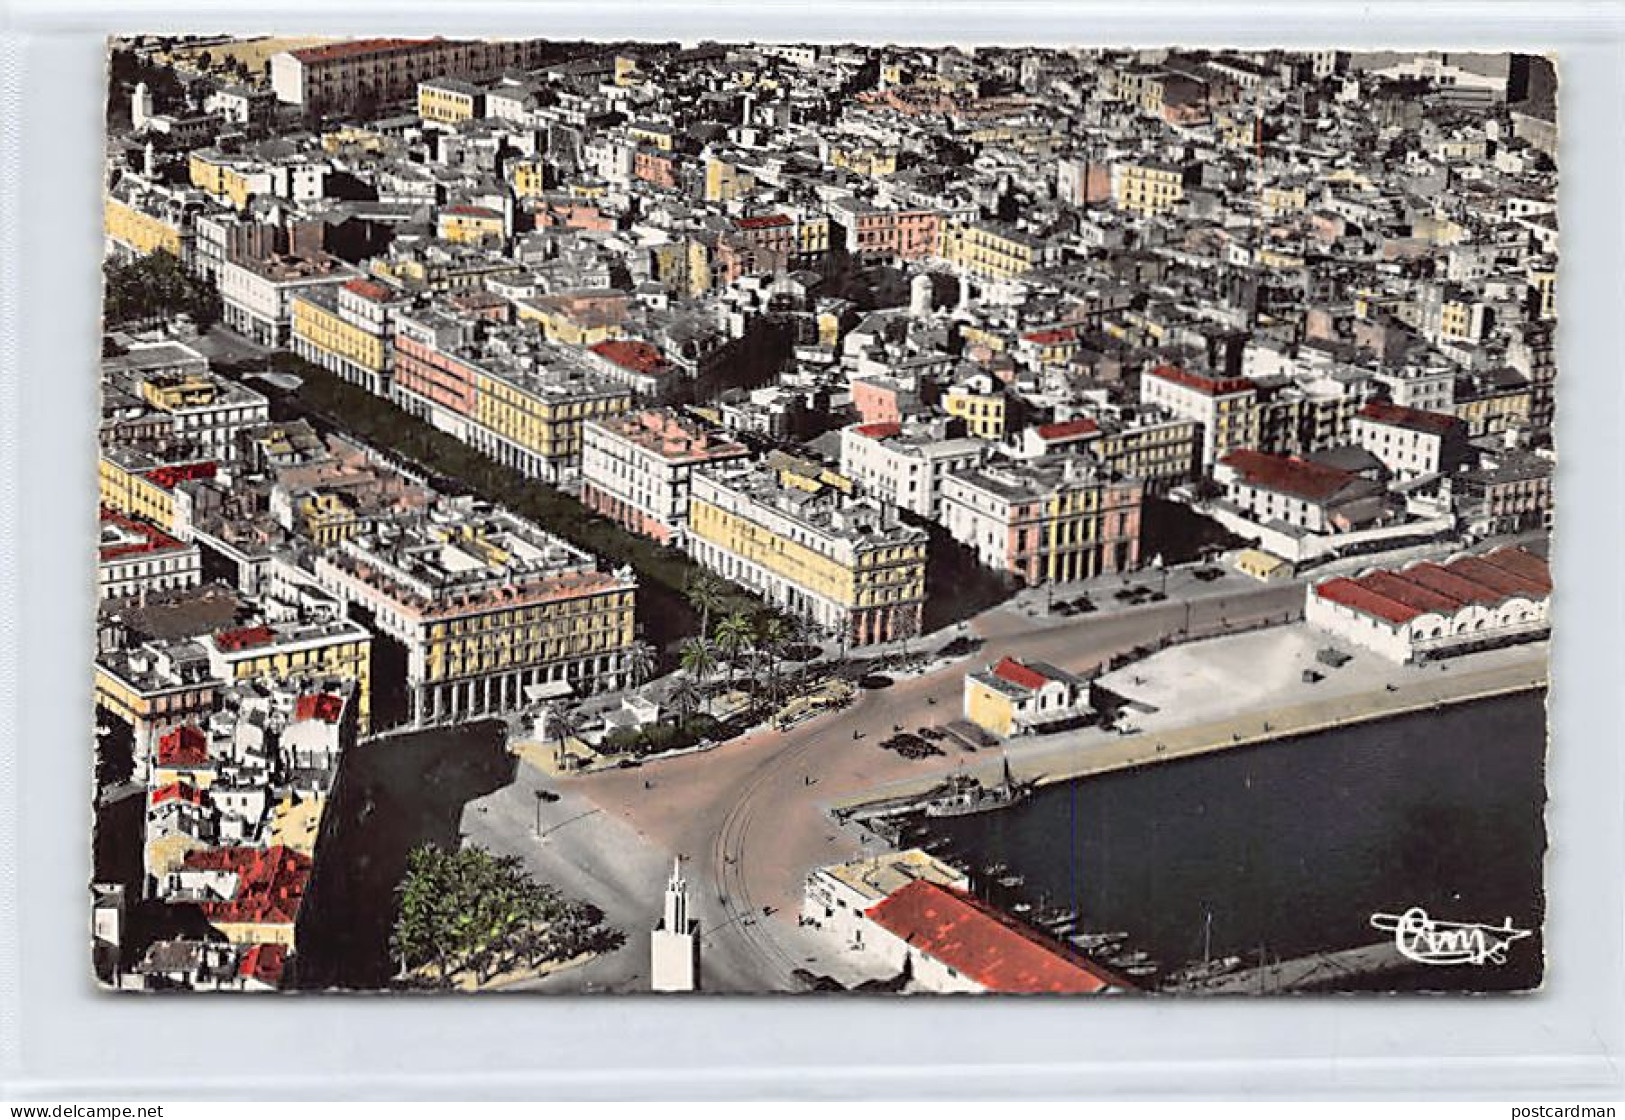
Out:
{"x": 837, "y": 897}
{"x": 1429, "y": 610}
{"x": 946, "y": 940}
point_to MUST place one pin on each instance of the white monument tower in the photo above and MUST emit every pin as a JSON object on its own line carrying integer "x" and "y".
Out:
{"x": 919, "y": 296}
{"x": 140, "y": 106}
{"x": 674, "y": 946}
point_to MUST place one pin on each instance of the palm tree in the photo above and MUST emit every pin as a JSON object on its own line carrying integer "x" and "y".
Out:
{"x": 640, "y": 663}
{"x": 685, "y": 700}
{"x": 699, "y": 658}
{"x": 705, "y": 594}
{"x": 559, "y": 723}
{"x": 772, "y": 635}
{"x": 735, "y": 636}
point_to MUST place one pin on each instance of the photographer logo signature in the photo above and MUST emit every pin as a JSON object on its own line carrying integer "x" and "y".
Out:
{"x": 1427, "y": 940}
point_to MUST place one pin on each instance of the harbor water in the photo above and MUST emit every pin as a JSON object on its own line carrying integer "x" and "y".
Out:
{"x": 1286, "y": 849}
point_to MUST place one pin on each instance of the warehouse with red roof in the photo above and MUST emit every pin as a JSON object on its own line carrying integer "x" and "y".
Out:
{"x": 951, "y": 941}
{"x": 1426, "y": 610}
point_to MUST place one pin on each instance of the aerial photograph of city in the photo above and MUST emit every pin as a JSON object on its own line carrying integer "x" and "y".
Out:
{"x": 747, "y": 517}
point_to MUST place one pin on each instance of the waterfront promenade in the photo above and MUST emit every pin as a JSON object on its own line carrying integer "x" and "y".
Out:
{"x": 1093, "y": 752}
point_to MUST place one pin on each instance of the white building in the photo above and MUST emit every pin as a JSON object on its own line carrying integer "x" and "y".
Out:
{"x": 1428, "y": 610}
{"x": 636, "y": 469}
{"x": 257, "y": 296}
{"x": 137, "y": 559}
{"x": 1409, "y": 442}
{"x": 906, "y": 466}
{"x": 836, "y": 897}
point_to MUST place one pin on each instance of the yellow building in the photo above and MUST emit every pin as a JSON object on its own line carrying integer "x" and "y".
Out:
{"x": 846, "y": 565}
{"x": 1544, "y": 282}
{"x": 143, "y": 487}
{"x": 863, "y": 159}
{"x": 529, "y": 178}
{"x": 317, "y": 322}
{"x": 542, "y": 419}
{"x": 991, "y": 252}
{"x": 327, "y": 517}
{"x": 138, "y": 231}
{"x": 472, "y": 225}
{"x": 1163, "y": 454}
{"x": 725, "y": 181}
{"x": 495, "y": 614}
{"x": 340, "y": 648}
{"x": 1148, "y": 187}
{"x": 983, "y": 412}
{"x": 812, "y": 233}
{"x": 1277, "y": 201}
{"x": 1016, "y": 697}
{"x": 227, "y": 177}
{"x": 448, "y": 101}
{"x": 574, "y": 320}
{"x": 626, "y": 71}
{"x": 653, "y": 135}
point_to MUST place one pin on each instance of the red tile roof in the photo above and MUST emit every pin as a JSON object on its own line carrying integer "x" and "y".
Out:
{"x": 368, "y": 289}
{"x": 1018, "y": 674}
{"x": 1521, "y": 562}
{"x": 333, "y": 52}
{"x": 246, "y": 637}
{"x": 185, "y": 745}
{"x": 878, "y": 431}
{"x": 270, "y": 883}
{"x": 632, "y": 354}
{"x": 1413, "y": 419}
{"x": 1068, "y": 429}
{"x": 1356, "y": 596}
{"x": 264, "y": 963}
{"x": 177, "y": 791}
{"x": 983, "y": 944}
{"x": 1057, "y": 334}
{"x": 1314, "y": 482}
{"x": 763, "y": 221}
{"x": 465, "y": 210}
{"x": 168, "y": 476}
{"x": 1399, "y": 596}
{"x": 153, "y": 539}
{"x": 1210, "y": 386}
{"x": 319, "y": 705}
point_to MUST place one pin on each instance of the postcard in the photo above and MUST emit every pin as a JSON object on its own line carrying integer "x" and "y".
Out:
{"x": 805, "y": 518}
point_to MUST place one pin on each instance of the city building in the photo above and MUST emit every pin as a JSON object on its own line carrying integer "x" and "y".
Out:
{"x": 846, "y": 564}
{"x": 347, "y": 330}
{"x": 137, "y": 559}
{"x": 1015, "y": 697}
{"x": 837, "y": 898}
{"x": 343, "y": 76}
{"x": 256, "y": 296}
{"x": 1050, "y": 521}
{"x": 1426, "y": 610}
{"x": 1409, "y": 442}
{"x": 949, "y": 941}
{"x": 495, "y": 615}
{"x": 906, "y": 466}
{"x": 636, "y": 469}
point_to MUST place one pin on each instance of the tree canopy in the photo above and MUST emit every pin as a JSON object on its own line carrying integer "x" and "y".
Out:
{"x": 475, "y": 913}
{"x": 155, "y": 287}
